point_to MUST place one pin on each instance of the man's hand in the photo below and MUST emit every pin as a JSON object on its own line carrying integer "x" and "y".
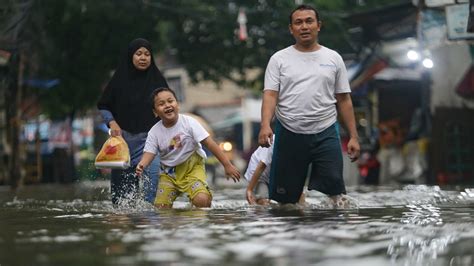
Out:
{"x": 251, "y": 197}
{"x": 353, "y": 149}
{"x": 265, "y": 137}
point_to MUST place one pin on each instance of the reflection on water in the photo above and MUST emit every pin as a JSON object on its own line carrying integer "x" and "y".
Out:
{"x": 413, "y": 225}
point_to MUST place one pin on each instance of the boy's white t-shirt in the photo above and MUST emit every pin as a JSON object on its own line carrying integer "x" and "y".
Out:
{"x": 177, "y": 143}
{"x": 264, "y": 155}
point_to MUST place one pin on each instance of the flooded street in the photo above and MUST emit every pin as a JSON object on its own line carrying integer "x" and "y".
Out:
{"x": 77, "y": 225}
{"x": 272, "y": 92}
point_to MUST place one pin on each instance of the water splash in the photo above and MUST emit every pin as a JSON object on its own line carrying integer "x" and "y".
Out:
{"x": 425, "y": 245}
{"x": 412, "y": 225}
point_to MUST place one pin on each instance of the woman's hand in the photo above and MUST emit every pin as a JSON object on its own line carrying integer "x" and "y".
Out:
{"x": 115, "y": 129}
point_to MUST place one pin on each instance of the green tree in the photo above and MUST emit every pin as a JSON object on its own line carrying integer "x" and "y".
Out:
{"x": 202, "y": 33}
{"x": 76, "y": 42}
{"x": 79, "y": 43}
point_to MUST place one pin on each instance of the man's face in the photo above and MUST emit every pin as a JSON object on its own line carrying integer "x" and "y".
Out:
{"x": 304, "y": 27}
{"x": 141, "y": 59}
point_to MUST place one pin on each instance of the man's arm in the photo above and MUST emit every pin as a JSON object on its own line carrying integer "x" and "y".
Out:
{"x": 269, "y": 102}
{"x": 346, "y": 111}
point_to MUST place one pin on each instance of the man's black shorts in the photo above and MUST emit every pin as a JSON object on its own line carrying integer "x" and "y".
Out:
{"x": 293, "y": 153}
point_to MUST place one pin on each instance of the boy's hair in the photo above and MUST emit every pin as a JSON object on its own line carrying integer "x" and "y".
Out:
{"x": 305, "y": 7}
{"x": 158, "y": 90}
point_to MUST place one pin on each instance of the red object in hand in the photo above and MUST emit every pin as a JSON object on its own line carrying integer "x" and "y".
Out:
{"x": 111, "y": 149}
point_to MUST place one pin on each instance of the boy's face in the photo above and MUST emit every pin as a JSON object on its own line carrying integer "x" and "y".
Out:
{"x": 166, "y": 107}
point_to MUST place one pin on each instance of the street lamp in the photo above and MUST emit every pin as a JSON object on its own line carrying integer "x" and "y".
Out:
{"x": 428, "y": 63}
{"x": 413, "y": 55}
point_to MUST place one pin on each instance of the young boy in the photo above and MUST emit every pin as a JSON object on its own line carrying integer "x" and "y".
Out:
{"x": 258, "y": 175}
{"x": 178, "y": 139}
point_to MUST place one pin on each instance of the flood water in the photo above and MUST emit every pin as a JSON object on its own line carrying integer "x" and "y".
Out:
{"x": 77, "y": 225}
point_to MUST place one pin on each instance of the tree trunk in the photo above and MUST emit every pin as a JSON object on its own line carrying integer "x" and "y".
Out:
{"x": 13, "y": 117}
{"x": 73, "y": 174}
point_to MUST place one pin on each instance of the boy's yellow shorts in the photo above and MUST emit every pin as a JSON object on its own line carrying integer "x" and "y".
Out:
{"x": 190, "y": 178}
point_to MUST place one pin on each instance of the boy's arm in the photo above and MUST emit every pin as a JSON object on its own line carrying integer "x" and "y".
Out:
{"x": 144, "y": 162}
{"x": 230, "y": 169}
{"x": 253, "y": 182}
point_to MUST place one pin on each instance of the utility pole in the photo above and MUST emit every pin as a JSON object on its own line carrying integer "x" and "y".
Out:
{"x": 11, "y": 41}
{"x": 425, "y": 90}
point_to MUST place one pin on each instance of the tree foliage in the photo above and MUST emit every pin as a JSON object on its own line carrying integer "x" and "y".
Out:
{"x": 202, "y": 33}
{"x": 79, "y": 42}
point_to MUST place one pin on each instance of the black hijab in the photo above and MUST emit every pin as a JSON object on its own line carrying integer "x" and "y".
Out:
{"x": 127, "y": 95}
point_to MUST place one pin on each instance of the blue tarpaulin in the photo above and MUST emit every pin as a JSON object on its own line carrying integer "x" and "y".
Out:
{"x": 41, "y": 83}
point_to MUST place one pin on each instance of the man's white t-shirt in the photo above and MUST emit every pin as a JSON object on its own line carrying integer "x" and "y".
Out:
{"x": 177, "y": 143}
{"x": 306, "y": 83}
{"x": 264, "y": 155}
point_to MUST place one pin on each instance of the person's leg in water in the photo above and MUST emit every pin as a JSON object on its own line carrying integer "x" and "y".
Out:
{"x": 188, "y": 177}
{"x": 302, "y": 199}
{"x": 152, "y": 176}
{"x": 149, "y": 180}
{"x": 261, "y": 193}
{"x": 263, "y": 198}
{"x": 289, "y": 166}
{"x": 194, "y": 181}
{"x": 202, "y": 200}
{"x": 326, "y": 173}
{"x": 340, "y": 201}
{"x": 123, "y": 185}
{"x": 167, "y": 192}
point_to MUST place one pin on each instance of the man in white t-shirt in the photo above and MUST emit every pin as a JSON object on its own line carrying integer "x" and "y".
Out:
{"x": 306, "y": 86}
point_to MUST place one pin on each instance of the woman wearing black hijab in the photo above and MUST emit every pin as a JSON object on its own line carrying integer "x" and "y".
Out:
{"x": 126, "y": 108}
